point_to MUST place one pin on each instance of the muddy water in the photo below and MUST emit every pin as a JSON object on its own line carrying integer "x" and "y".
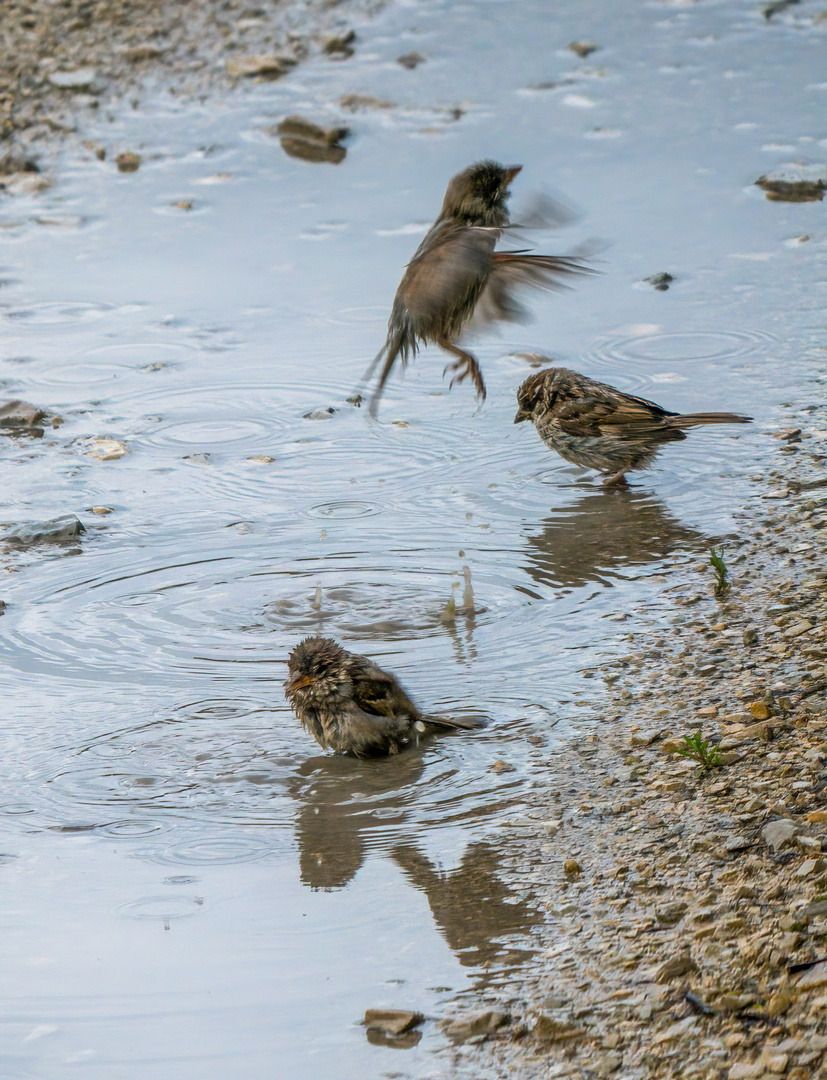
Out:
{"x": 190, "y": 889}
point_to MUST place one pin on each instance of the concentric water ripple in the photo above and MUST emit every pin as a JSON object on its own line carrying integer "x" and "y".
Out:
{"x": 674, "y": 347}
{"x": 55, "y": 313}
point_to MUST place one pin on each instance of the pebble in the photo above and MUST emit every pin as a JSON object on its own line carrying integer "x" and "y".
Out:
{"x": 20, "y": 414}
{"x": 301, "y": 138}
{"x": 582, "y": 48}
{"x": 411, "y": 60}
{"x": 340, "y": 46}
{"x": 779, "y": 834}
{"x": 475, "y": 1024}
{"x": 549, "y": 1030}
{"x": 103, "y": 449}
{"x": 79, "y": 79}
{"x": 392, "y": 1021}
{"x": 810, "y": 867}
{"x": 814, "y": 976}
{"x": 55, "y": 531}
{"x": 128, "y": 161}
{"x": 675, "y": 967}
{"x": 266, "y": 66}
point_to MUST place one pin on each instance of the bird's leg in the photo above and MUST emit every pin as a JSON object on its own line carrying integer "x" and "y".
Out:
{"x": 618, "y": 481}
{"x": 466, "y": 365}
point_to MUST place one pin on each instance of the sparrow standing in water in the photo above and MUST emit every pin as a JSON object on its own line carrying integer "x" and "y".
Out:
{"x": 351, "y": 706}
{"x": 594, "y": 425}
{"x": 456, "y": 274}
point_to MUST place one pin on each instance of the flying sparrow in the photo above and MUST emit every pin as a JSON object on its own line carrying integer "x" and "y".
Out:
{"x": 594, "y": 425}
{"x": 351, "y": 706}
{"x": 456, "y": 274}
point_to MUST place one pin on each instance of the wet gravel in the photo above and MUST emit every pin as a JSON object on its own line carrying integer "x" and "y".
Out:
{"x": 687, "y": 907}
{"x": 61, "y": 61}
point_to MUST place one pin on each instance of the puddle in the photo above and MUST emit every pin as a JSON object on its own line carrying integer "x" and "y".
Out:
{"x": 191, "y": 888}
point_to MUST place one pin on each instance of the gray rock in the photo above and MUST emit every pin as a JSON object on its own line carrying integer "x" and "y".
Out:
{"x": 469, "y": 1027}
{"x": 795, "y": 183}
{"x": 392, "y": 1021}
{"x": 661, "y": 282}
{"x": 410, "y": 60}
{"x": 675, "y": 967}
{"x": 814, "y": 976}
{"x": 56, "y": 531}
{"x": 779, "y": 834}
{"x": 320, "y": 414}
{"x": 301, "y": 138}
{"x": 80, "y": 79}
{"x": 20, "y": 414}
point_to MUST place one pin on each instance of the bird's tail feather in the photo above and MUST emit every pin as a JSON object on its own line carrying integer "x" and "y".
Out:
{"x": 458, "y": 723}
{"x": 694, "y": 419}
{"x": 399, "y": 346}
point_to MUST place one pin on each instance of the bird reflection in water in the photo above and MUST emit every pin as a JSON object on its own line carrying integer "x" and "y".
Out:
{"x": 472, "y": 907}
{"x": 348, "y": 807}
{"x": 603, "y": 534}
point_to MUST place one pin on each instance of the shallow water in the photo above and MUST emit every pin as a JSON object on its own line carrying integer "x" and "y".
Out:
{"x": 190, "y": 888}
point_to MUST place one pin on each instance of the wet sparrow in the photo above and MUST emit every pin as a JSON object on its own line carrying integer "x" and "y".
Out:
{"x": 592, "y": 424}
{"x": 456, "y": 274}
{"x": 349, "y": 705}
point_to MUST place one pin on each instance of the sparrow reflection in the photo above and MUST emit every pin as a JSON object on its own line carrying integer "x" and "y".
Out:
{"x": 346, "y": 806}
{"x": 471, "y": 906}
{"x": 601, "y": 535}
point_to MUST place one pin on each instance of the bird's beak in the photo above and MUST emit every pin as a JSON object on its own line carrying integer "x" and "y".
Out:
{"x": 299, "y": 683}
{"x": 521, "y": 415}
{"x": 511, "y": 172}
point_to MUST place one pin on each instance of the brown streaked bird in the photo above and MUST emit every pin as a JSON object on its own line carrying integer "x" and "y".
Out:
{"x": 351, "y": 706}
{"x": 594, "y": 425}
{"x": 456, "y": 274}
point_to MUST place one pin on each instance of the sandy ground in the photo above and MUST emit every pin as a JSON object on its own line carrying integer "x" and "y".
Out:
{"x": 687, "y": 905}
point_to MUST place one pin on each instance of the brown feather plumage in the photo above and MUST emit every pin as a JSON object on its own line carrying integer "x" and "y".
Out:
{"x": 456, "y": 275}
{"x": 595, "y": 425}
{"x": 350, "y": 705}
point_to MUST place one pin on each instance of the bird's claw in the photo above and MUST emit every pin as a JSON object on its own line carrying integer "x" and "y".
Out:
{"x": 464, "y": 368}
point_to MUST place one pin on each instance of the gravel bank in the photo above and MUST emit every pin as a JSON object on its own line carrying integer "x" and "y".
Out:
{"x": 687, "y": 907}
{"x": 59, "y": 60}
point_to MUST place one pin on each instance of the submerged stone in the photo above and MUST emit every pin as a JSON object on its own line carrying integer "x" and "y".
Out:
{"x": 301, "y": 138}
{"x": 795, "y": 183}
{"x": 392, "y": 1021}
{"x": 21, "y": 415}
{"x": 55, "y": 531}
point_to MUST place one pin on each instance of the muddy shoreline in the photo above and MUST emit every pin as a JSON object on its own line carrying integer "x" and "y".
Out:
{"x": 681, "y": 901}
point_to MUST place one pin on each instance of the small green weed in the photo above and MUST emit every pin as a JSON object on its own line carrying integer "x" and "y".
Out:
{"x": 716, "y": 561}
{"x": 697, "y": 748}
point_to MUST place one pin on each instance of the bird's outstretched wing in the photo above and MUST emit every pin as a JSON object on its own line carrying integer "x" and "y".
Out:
{"x": 512, "y": 271}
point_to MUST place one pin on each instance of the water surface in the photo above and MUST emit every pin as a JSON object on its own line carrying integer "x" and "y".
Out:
{"x": 191, "y": 889}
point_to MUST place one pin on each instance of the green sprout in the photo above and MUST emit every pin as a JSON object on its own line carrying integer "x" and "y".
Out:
{"x": 716, "y": 561}
{"x": 697, "y": 748}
